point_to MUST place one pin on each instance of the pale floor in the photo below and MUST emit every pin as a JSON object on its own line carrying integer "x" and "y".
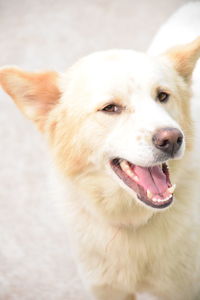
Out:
{"x": 35, "y": 261}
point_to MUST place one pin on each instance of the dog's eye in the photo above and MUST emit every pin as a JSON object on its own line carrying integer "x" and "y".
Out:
{"x": 112, "y": 108}
{"x": 163, "y": 97}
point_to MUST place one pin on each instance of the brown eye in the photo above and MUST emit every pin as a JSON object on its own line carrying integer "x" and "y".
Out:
{"x": 112, "y": 108}
{"x": 163, "y": 97}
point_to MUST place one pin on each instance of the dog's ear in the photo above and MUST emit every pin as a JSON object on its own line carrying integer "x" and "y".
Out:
{"x": 34, "y": 93}
{"x": 184, "y": 57}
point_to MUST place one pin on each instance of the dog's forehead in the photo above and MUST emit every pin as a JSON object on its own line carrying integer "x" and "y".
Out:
{"x": 115, "y": 66}
{"x": 115, "y": 73}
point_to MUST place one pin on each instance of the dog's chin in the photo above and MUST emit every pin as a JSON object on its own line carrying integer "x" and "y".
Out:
{"x": 151, "y": 185}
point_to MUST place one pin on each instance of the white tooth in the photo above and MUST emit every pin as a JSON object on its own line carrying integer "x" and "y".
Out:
{"x": 155, "y": 199}
{"x": 161, "y": 200}
{"x": 129, "y": 172}
{"x": 124, "y": 165}
{"x": 149, "y": 194}
{"x": 126, "y": 168}
{"x": 171, "y": 189}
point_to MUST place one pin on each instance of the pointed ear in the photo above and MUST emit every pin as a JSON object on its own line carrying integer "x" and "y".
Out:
{"x": 184, "y": 58}
{"x": 34, "y": 93}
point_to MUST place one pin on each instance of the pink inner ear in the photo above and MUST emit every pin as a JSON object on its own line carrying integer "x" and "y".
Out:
{"x": 34, "y": 93}
{"x": 184, "y": 57}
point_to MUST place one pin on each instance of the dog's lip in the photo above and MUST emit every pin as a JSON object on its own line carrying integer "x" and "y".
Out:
{"x": 139, "y": 178}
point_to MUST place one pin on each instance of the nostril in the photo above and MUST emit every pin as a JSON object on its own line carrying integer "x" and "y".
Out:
{"x": 164, "y": 143}
{"x": 159, "y": 142}
{"x": 179, "y": 140}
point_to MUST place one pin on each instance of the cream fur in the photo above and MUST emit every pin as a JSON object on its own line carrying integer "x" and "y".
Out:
{"x": 122, "y": 247}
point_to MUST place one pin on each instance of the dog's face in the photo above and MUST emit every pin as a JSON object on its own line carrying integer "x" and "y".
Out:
{"x": 114, "y": 121}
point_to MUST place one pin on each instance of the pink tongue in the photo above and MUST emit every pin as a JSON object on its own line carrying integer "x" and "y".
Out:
{"x": 152, "y": 179}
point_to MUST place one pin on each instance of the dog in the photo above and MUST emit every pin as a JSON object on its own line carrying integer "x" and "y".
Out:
{"x": 121, "y": 131}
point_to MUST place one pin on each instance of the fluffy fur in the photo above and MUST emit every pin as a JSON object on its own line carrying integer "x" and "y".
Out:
{"x": 121, "y": 246}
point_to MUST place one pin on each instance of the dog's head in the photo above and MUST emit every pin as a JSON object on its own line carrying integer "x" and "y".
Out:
{"x": 114, "y": 121}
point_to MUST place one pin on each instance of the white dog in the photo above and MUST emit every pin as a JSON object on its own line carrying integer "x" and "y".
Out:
{"x": 121, "y": 131}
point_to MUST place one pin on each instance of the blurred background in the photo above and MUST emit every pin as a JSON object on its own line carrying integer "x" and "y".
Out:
{"x": 35, "y": 260}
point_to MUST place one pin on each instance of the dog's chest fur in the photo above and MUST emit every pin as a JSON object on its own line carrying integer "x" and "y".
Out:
{"x": 147, "y": 258}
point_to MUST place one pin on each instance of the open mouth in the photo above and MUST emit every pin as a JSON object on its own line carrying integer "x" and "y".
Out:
{"x": 151, "y": 184}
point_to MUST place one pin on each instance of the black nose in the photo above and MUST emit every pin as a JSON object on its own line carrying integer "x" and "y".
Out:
{"x": 168, "y": 140}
